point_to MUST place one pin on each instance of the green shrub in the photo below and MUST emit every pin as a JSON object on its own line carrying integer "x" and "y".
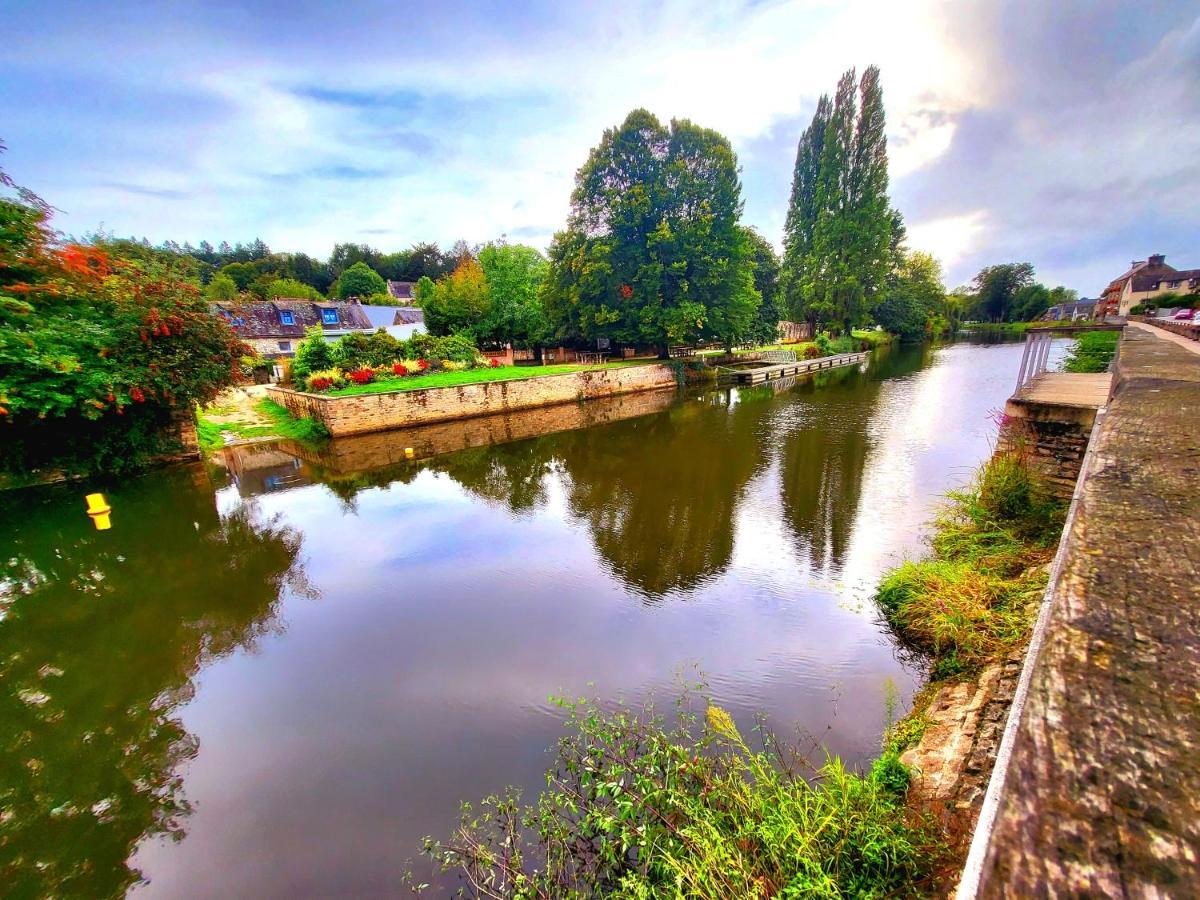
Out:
{"x": 312, "y": 353}
{"x": 973, "y": 601}
{"x": 635, "y": 808}
{"x": 1093, "y": 351}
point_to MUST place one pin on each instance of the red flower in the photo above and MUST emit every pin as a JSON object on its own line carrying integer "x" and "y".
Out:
{"x": 423, "y": 364}
{"x": 400, "y": 369}
{"x": 136, "y": 395}
{"x": 494, "y": 363}
{"x": 626, "y": 291}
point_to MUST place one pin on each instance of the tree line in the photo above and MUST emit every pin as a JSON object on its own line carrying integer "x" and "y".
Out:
{"x": 654, "y": 252}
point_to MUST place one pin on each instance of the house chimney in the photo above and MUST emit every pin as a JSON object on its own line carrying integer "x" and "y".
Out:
{"x": 1156, "y": 260}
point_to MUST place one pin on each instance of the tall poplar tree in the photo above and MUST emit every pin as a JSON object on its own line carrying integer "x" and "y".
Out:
{"x": 838, "y": 241}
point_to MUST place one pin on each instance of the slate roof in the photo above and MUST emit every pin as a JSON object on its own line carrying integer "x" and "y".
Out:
{"x": 401, "y": 290}
{"x": 261, "y": 319}
{"x": 386, "y": 316}
{"x": 1150, "y": 282}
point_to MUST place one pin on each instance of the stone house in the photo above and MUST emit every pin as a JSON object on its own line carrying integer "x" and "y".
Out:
{"x": 1150, "y": 279}
{"x": 401, "y": 291}
{"x": 401, "y": 322}
{"x": 274, "y": 327}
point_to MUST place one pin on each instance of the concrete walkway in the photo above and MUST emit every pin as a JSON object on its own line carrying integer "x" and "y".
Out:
{"x": 1100, "y": 795}
{"x": 1193, "y": 346}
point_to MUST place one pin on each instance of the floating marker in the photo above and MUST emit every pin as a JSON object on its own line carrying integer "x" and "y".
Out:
{"x": 408, "y": 451}
{"x": 98, "y": 509}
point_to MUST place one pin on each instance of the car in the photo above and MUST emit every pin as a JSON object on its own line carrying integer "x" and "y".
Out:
{"x": 1185, "y": 315}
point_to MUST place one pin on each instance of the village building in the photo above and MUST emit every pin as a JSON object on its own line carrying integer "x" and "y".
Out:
{"x": 401, "y": 322}
{"x": 402, "y": 291}
{"x": 1150, "y": 280}
{"x": 274, "y": 327}
{"x": 1083, "y": 308}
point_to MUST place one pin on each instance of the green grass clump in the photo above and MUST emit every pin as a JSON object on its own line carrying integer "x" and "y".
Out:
{"x": 635, "y": 808}
{"x": 874, "y": 338}
{"x": 470, "y": 376}
{"x": 1093, "y": 352}
{"x": 973, "y": 601}
{"x": 209, "y": 434}
{"x": 284, "y": 424}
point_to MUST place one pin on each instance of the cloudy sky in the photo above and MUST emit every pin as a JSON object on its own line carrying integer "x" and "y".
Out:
{"x": 1062, "y": 133}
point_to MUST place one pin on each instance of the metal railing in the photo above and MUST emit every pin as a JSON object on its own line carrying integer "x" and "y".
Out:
{"x": 1033, "y": 360}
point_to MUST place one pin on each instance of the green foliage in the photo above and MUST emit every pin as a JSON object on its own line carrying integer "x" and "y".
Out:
{"x": 312, "y": 353}
{"x": 455, "y": 347}
{"x": 96, "y": 352}
{"x": 360, "y": 280}
{"x": 653, "y": 252}
{"x": 996, "y": 290}
{"x": 914, "y": 297}
{"x": 284, "y": 424}
{"x": 515, "y": 274}
{"x": 841, "y": 233}
{"x": 974, "y": 600}
{"x": 241, "y": 274}
{"x": 641, "y": 808}
{"x": 458, "y": 302}
{"x": 209, "y": 435}
{"x": 1093, "y": 351}
{"x": 291, "y": 289}
{"x": 356, "y": 350}
{"x": 221, "y": 289}
{"x": 765, "y": 328}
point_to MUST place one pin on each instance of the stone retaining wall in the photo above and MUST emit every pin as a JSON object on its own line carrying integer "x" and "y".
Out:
{"x": 1099, "y": 794}
{"x": 1190, "y": 330}
{"x": 364, "y": 413}
{"x": 1056, "y": 437}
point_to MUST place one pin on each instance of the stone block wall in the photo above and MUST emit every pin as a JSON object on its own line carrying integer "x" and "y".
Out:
{"x": 1056, "y": 438}
{"x": 365, "y": 413}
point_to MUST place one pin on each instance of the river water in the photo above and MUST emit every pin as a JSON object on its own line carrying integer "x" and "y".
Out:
{"x": 274, "y": 676}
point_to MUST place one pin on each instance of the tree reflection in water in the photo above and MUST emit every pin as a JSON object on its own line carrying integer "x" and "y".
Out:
{"x": 91, "y": 684}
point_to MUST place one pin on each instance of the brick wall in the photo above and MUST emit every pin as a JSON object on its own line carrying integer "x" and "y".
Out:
{"x": 364, "y": 413}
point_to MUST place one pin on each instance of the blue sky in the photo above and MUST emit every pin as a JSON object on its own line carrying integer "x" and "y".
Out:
{"x": 1065, "y": 134}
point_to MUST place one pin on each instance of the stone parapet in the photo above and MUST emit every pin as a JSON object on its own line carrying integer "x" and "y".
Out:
{"x": 1098, "y": 790}
{"x": 365, "y": 413}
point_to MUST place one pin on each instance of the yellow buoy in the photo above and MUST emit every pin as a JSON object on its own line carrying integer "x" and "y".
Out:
{"x": 98, "y": 509}
{"x": 408, "y": 451}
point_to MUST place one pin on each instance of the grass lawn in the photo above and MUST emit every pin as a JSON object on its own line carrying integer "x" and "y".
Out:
{"x": 473, "y": 376}
{"x": 264, "y": 419}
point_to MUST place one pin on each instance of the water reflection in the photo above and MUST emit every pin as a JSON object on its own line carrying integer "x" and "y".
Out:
{"x": 514, "y": 557}
{"x": 100, "y": 638}
{"x": 824, "y": 444}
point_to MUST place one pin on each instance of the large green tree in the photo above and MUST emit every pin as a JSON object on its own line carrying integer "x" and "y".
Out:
{"x": 765, "y": 329}
{"x": 996, "y": 289}
{"x": 652, "y": 252}
{"x": 914, "y": 297}
{"x": 360, "y": 280}
{"x": 839, "y": 236}
{"x": 457, "y": 302}
{"x": 514, "y": 274}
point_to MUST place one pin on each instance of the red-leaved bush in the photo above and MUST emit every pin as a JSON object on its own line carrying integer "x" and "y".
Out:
{"x": 361, "y": 376}
{"x": 399, "y": 369}
{"x": 494, "y": 363}
{"x": 320, "y": 384}
{"x": 423, "y": 364}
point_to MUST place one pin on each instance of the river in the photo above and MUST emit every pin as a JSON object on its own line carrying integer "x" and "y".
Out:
{"x": 273, "y": 677}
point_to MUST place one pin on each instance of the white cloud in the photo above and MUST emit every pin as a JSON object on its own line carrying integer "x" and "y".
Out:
{"x": 950, "y": 238}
